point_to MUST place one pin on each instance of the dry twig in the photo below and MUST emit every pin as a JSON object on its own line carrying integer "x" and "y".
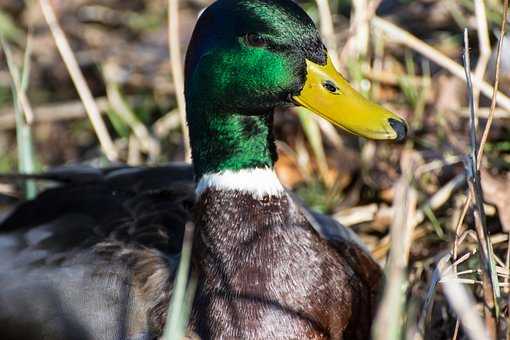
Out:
{"x": 463, "y": 304}
{"x": 495, "y": 94}
{"x": 477, "y": 157}
{"x": 485, "y": 113}
{"x": 489, "y": 277}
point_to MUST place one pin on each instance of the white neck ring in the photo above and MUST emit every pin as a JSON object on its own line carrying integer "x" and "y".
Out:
{"x": 259, "y": 182}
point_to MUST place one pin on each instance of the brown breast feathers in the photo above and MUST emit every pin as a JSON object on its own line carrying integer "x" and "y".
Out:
{"x": 266, "y": 274}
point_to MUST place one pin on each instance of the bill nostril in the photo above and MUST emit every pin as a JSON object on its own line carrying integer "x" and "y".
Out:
{"x": 330, "y": 86}
{"x": 400, "y": 128}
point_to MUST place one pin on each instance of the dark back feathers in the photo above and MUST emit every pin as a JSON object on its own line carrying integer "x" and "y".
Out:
{"x": 79, "y": 258}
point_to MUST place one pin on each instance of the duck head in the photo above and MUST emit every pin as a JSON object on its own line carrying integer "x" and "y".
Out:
{"x": 248, "y": 57}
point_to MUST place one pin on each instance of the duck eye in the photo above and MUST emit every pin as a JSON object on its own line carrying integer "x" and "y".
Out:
{"x": 255, "y": 40}
{"x": 330, "y": 86}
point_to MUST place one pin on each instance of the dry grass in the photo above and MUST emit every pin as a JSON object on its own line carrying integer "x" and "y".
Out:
{"x": 445, "y": 252}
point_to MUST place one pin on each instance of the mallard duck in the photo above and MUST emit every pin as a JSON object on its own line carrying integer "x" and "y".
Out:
{"x": 94, "y": 258}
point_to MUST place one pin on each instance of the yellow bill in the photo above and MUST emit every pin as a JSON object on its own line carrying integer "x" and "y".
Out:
{"x": 329, "y": 95}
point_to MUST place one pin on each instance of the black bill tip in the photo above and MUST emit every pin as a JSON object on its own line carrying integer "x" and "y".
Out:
{"x": 400, "y": 128}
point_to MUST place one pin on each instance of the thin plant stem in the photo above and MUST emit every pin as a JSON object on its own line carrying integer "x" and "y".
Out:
{"x": 489, "y": 277}
{"x": 26, "y": 162}
{"x": 327, "y": 29}
{"x": 176, "y": 318}
{"x": 177, "y": 72}
{"x": 495, "y": 88}
{"x": 483, "y": 44}
{"x": 79, "y": 81}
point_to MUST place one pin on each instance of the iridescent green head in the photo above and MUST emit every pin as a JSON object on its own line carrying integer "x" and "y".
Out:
{"x": 246, "y": 58}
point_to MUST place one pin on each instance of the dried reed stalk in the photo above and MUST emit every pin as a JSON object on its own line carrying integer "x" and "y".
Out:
{"x": 387, "y": 324}
{"x": 79, "y": 81}
{"x": 495, "y": 92}
{"x": 327, "y": 29}
{"x": 311, "y": 125}
{"x": 360, "y": 27}
{"x": 484, "y": 45}
{"x": 359, "y": 31}
{"x": 177, "y": 72}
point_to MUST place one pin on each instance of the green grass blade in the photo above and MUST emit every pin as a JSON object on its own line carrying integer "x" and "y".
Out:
{"x": 26, "y": 163}
{"x": 8, "y": 28}
{"x": 178, "y": 313}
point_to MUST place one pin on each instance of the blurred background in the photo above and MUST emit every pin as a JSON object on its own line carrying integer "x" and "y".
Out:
{"x": 404, "y": 54}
